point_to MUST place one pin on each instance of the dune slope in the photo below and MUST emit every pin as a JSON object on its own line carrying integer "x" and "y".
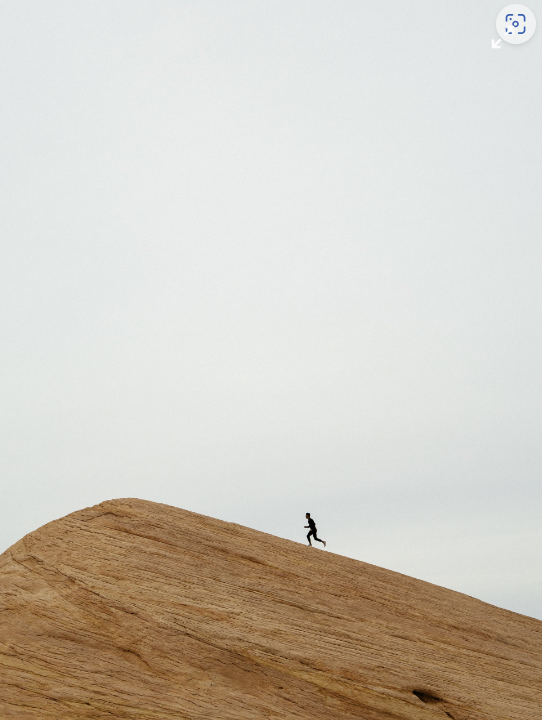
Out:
{"x": 132, "y": 609}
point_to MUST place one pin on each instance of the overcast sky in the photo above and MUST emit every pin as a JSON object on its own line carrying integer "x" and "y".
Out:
{"x": 263, "y": 258}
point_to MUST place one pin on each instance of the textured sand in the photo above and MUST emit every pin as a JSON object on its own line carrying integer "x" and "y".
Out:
{"x": 132, "y": 609}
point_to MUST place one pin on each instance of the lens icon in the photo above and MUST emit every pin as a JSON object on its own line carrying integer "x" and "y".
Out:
{"x": 516, "y": 24}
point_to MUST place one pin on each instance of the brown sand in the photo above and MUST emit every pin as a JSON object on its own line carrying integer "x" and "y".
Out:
{"x": 132, "y": 609}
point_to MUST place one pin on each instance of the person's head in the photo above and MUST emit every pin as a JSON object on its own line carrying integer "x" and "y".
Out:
{"x": 307, "y": 515}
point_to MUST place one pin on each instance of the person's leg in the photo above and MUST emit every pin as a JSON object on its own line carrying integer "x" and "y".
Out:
{"x": 309, "y": 536}
{"x": 317, "y": 538}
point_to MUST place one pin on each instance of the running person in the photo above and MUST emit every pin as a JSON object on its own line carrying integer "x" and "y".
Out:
{"x": 312, "y": 531}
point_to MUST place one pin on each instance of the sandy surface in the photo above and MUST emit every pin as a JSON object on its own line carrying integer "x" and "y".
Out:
{"x": 132, "y": 609}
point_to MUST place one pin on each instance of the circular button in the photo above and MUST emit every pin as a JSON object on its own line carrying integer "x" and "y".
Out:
{"x": 516, "y": 24}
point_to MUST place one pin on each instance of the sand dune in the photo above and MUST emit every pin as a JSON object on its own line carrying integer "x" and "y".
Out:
{"x": 132, "y": 609}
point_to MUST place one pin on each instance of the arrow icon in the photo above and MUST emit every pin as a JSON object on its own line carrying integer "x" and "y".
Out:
{"x": 496, "y": 44}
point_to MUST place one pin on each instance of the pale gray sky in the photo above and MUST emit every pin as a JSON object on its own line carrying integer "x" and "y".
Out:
{"x": 259, "y": 258}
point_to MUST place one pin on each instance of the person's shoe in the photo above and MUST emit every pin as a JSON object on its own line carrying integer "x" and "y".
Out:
{"x": 324, "y": 542}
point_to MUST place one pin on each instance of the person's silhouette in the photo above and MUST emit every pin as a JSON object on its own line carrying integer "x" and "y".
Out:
{"x": 312, "y": 531}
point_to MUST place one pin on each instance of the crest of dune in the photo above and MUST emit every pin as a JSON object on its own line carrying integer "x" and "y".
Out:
{"x": 131, "y": 609}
